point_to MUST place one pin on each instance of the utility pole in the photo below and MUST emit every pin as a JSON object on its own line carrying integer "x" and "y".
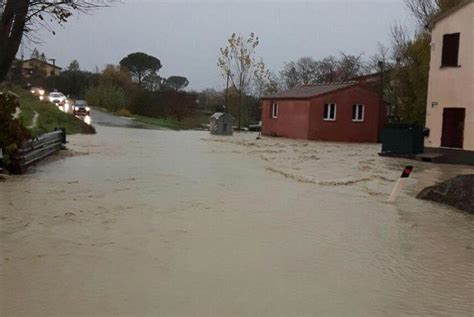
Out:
{"x": 54, "y": 65}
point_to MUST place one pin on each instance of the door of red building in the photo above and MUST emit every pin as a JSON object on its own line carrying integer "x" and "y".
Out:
{"x": 453, "y": 127}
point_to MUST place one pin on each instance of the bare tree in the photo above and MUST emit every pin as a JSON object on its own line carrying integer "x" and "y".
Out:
{"x": 381, "y": 56}
{"x": 422, "y": 10}
{"x": 307, "y": 71}
{"x": 307, "y": 67}
{"x": 425, "y": 10}
{"x": 239, "y": 64}
{"x": 301, "y": 72}
{"x": 349, "y": 66}
{"x": 20, "y": 17}
{"x": 400, "y": 41}
{"x": 289, "y": 75}
{"x": 265, "y": 84}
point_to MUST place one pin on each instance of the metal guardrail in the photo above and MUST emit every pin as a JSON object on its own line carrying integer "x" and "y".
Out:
{"x": 38, "y": 148}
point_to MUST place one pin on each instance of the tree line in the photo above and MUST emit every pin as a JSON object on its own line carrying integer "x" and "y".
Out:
{"x": 132, "y": 86}
{"x": 403, "y": 66}
{"x": 247, "y": 76}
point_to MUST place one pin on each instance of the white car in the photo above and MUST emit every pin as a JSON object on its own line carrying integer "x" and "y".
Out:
{"x": 57, "y": 98}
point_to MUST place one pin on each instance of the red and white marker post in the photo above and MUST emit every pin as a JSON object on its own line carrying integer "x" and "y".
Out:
{"x": 398, "y": 186}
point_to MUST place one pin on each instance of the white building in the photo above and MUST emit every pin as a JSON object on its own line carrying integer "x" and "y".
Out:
{"x": 450, "y": 108}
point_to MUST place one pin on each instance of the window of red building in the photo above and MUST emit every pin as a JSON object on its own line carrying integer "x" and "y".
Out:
{"x": 358, "y": 113}
{"x": 330, "y": 112}
{"x": 274, "y": 110}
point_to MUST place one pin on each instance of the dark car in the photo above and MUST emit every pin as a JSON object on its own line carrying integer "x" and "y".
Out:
{"x": 81, "y": 108}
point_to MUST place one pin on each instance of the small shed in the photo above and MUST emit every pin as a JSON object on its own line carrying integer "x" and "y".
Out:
{"x": 221, "y": 123}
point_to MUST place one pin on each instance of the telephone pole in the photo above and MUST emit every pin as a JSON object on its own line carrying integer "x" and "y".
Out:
{"x": 54, "y": 65}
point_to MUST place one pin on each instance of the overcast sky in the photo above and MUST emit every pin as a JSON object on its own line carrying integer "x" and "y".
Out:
{"x": 186, "y": 35}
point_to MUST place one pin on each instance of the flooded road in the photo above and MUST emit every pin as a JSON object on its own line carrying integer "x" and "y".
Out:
{"x": 104, "y": 118}
{"x": 163, "y": 223}
{"x": 107, "y": 119}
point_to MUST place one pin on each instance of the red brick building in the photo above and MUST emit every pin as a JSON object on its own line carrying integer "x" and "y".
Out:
{"x": 342, "y": 112}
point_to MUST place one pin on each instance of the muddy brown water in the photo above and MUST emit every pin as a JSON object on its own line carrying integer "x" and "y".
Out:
{"x": 163, "y": 223}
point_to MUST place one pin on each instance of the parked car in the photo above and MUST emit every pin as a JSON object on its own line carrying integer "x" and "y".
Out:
{"x": 57, "y": 98}
{"x": 80, "y": 108}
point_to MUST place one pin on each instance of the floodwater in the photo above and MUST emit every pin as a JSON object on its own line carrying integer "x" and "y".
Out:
{"x": 162, "y": 223}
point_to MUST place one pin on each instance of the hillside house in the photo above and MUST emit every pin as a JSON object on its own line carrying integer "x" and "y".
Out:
{"x": 30, "y": 65}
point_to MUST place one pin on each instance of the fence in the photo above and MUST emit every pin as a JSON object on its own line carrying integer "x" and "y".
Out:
{"x": 38, "y": 148}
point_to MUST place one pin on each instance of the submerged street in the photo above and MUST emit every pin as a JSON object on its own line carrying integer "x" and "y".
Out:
{"x": 165, "y": 223}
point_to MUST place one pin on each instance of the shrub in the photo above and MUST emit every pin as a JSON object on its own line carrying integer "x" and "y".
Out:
{"x": 124, "y": 113}
{"x": 107, "y": 96}
{"x": 73, "y": 83}
{"x": 12, "y": 133}
{"x": 164, "y": 104}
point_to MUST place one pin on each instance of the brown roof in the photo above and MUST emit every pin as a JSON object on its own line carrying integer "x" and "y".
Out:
{"x": 308, "y": 91}
{"x": 441, "y": 16}
{"x": 42, "y": 62}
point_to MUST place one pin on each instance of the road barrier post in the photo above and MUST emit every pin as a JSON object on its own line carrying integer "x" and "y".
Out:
{"x": 398, "y": 186}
